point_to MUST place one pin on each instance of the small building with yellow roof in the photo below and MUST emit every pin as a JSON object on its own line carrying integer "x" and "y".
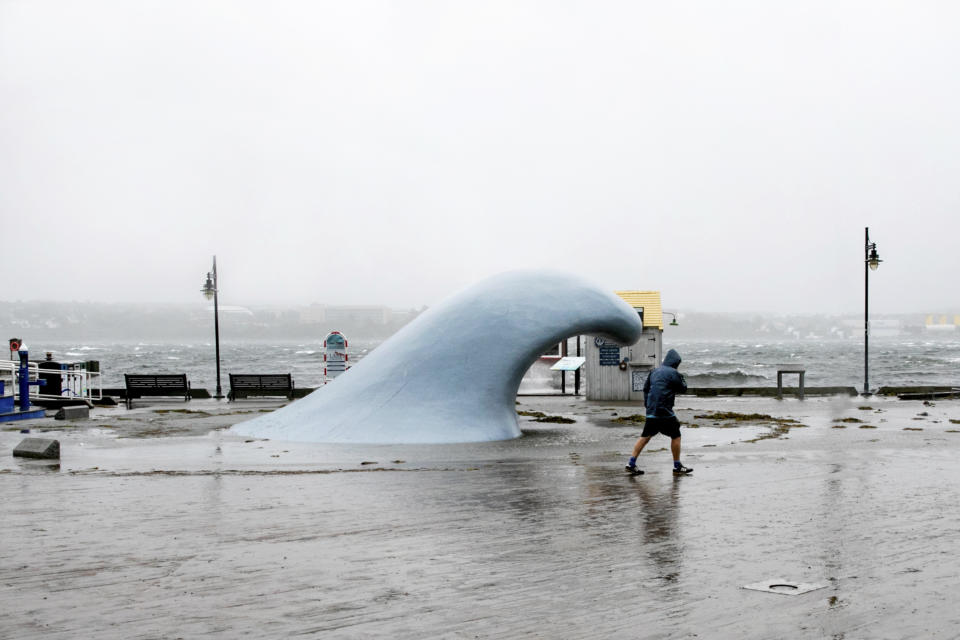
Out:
{"x": 617, "y": 372}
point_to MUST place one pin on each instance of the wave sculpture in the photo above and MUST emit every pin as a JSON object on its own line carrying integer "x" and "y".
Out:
{"x": 452, "y": 374}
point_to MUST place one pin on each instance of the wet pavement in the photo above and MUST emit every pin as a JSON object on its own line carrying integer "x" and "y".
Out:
{"x": 158, "y": 524}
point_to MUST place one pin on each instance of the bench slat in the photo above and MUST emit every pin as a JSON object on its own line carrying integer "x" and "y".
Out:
{"x": 267, "y": 384}
{"x": 163, "y": 384}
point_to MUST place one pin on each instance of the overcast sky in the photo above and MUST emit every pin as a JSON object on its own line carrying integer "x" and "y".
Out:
{"x": 729, "y": 154}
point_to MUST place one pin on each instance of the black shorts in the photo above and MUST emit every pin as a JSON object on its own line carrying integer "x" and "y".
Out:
{"x": 668, "y": 426}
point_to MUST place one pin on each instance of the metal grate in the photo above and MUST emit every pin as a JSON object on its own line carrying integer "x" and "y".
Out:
{"x": 784, "y": 587}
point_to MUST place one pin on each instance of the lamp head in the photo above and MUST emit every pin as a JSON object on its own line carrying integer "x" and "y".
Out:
{"x": 208, "y": 288}
{"x": 874, "y": 260}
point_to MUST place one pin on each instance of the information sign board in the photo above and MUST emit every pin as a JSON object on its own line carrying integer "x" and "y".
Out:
{"x": 569, "y": 363}
{"x": 609, "y": 354}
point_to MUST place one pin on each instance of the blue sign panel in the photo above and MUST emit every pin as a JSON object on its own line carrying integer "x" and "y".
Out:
{"x": 609, "y": 355}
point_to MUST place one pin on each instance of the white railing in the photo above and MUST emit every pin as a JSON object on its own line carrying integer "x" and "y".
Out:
{"x": 75, "y": 381}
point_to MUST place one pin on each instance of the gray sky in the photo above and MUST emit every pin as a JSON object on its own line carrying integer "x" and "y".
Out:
{"x": 727, "y": 153}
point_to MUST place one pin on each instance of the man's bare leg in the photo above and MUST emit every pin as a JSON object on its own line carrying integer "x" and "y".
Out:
{"x": 641, "y": 443}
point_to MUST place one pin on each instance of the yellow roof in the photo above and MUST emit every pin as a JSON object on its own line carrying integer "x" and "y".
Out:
{"x": 650, "y": 301}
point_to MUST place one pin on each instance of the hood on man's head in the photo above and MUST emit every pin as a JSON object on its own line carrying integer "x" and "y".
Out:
{"x": 672, "y": 359}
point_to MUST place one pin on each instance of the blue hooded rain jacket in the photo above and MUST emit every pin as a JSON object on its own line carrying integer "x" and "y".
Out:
{"x": 662, "y": 385}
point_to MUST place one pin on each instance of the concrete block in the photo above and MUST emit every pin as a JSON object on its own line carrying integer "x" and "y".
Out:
{"x": 77, "y": 412}
{"x": 38, "y": 448}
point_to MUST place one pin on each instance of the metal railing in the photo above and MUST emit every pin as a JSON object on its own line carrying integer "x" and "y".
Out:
{"x": 75, "y": 381}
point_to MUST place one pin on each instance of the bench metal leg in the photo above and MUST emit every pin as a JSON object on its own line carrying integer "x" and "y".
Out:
{"x": 779, "y": 386}
{"x": 801, "y": 385}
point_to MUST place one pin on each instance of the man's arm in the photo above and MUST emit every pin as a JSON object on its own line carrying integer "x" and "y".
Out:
{"x": 681, "y": 383}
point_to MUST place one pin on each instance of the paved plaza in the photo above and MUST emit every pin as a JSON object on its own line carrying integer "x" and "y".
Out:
{"x": 158, "y": 523}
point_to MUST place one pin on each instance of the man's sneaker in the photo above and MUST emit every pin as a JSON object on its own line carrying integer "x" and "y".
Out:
{"x": 682, "y": 470}
{"x": 633, "y": 470}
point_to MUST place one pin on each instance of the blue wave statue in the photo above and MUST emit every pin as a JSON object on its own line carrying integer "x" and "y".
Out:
{"x": 452, "y": 374}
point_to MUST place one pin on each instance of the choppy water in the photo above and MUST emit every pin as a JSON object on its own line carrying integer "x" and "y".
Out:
{"x": 893, "y": 361}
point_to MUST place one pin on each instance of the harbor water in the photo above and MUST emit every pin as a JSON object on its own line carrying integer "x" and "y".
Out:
{"x": 706, "y": 363}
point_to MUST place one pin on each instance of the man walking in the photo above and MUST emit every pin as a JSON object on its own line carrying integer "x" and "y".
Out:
{"x": 659, "y": 391}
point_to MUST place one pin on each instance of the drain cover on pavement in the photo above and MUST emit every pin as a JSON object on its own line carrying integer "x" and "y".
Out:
{"x": 786, "y": 587}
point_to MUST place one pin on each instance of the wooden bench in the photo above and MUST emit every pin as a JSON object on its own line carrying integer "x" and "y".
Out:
{"x": 264, "y": 384}
{"x": 163, "y": 384}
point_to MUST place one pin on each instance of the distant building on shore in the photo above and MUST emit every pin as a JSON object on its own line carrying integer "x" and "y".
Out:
{"x": 942, "y": 322}
{"x": 347, "y": 314}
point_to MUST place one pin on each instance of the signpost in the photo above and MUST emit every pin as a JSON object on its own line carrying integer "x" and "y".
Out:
{"x": 569, "y": 363}
{"x": 335, "y": 355}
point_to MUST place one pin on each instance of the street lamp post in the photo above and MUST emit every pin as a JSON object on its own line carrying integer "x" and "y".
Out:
{"x": 870, "y": 263}
{"x": 210, "y": 291}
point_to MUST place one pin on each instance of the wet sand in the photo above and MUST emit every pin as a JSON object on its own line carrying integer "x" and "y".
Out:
{"x": 158, "y": 524}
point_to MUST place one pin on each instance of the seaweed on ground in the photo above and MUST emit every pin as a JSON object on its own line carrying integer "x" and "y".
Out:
{"x": 739, "y": 417}
{"x": 158, "y": 431}
{"x": 635, "y": 418}
{"x": 532, "y": 414}
{"x": 197, "y": 412}
{"x": 779, "y": 427}
{"x": 854, "y": 420}
{"x": 555, "y": 419}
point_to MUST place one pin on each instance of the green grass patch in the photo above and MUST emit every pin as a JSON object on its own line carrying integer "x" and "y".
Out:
{"x": 954, "y": 421}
